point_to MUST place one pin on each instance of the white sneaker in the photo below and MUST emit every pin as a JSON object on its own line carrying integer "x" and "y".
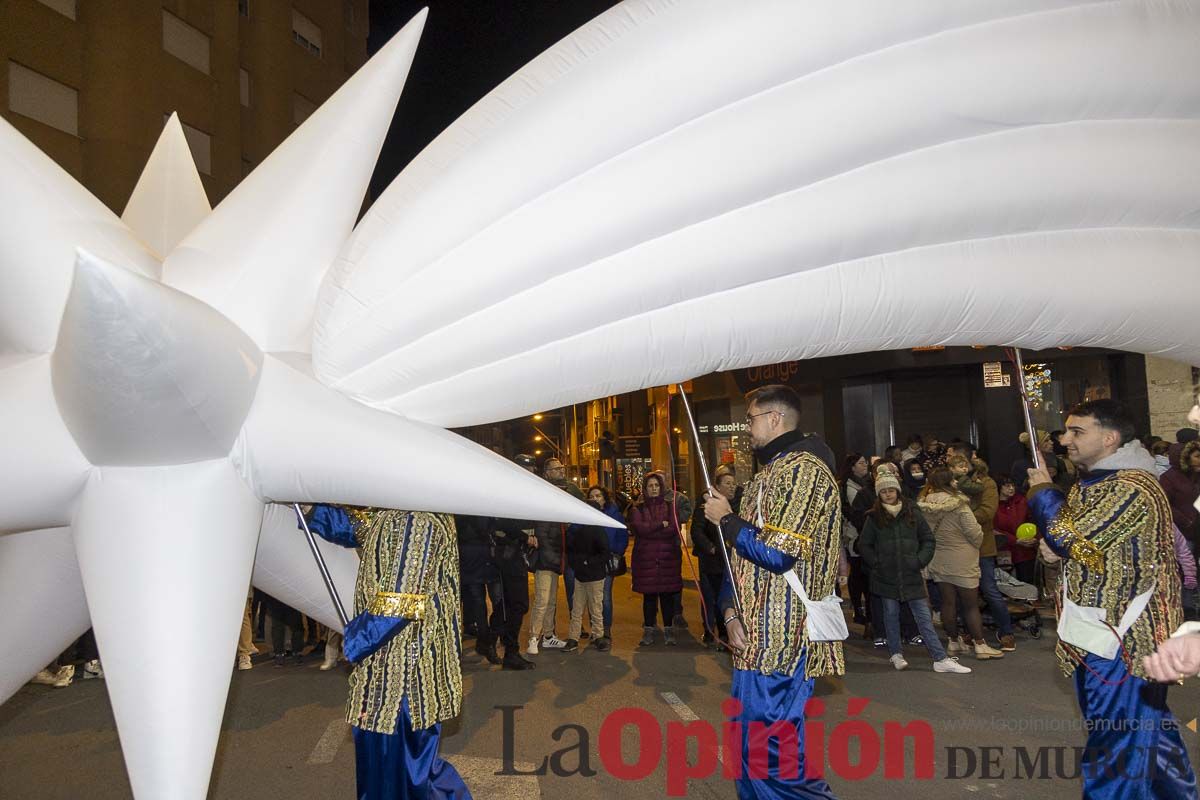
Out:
{"x": 92, "y": 669}
{"x": 553, "y": 642}
{"x": 65, "y": 674}
{"x": 44, "y": 678}
{"x": 899, "y": 663}
{"x": 532, "y": 649}
{"x": 956, "y": 645}
{"x": 950, "y": 665}
{"x": 244, "y": 662}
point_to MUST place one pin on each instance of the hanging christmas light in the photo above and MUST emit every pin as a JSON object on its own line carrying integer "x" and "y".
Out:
{"x": 1037, "y": 377}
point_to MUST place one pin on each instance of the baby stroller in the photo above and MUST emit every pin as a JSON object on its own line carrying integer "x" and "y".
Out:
{"x": 1020, "y": 596}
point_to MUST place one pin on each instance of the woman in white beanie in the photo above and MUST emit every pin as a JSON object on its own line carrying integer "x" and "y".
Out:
{"x": 897, "y": 543}
{"x": 955, "y": 564}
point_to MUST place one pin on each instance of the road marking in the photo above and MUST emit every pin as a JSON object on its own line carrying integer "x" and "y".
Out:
{"x": 685, "y": 713}
{"x": 330, "y": 741}
{"x": 679, "y": 707}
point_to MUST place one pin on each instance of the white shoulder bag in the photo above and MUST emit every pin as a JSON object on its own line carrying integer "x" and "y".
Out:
{"x": 1087, "y": 627}
{"x": 823, "y": 619}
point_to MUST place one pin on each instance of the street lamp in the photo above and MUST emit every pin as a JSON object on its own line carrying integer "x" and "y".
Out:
{"x": 537, "y": 417}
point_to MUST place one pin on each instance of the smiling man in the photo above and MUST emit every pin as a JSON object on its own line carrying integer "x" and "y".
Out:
{"x": 1121, "y": 600}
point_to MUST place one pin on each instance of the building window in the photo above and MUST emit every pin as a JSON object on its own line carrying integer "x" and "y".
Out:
{"x": 186, "y": 43}
{"x": 64, "y": 7}
{"x": 244, "y": 8}
{"x": 244, "y": 87}
{"x": 302, "y": 107}
{"x": 200, "y": 143}
{"x": 32, "y": 94}
{"x": 306, "y": 33}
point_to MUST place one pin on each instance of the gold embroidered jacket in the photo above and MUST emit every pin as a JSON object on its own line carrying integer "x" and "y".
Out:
{"x": 801, "y": 515}
{"x": 1114, "y": 532}
{"x": 409, "y": 569}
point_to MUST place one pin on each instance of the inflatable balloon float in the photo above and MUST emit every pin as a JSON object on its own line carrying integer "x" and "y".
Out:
{"x": 675, "y": 188}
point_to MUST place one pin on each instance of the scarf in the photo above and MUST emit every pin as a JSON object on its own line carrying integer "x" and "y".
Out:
{"x": 893, "y": 509}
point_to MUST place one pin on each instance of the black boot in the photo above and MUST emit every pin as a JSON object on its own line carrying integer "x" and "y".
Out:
{"x": 514, "y": 660}
{"x": 488, "y": 651}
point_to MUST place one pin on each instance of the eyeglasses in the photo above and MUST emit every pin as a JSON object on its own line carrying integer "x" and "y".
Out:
{"x": 750, "y": 417}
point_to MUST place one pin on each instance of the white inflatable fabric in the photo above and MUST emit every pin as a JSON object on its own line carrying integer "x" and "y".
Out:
{"x": 158, "y": 418}
{"x": 42, "y": 607}
{"x": 283, "y": 568}
{"x": 169, "y": 199}
{"x": 679, "y": 186}
{"x": 683, "y": 187}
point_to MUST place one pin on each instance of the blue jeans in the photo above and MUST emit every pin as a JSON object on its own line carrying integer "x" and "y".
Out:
{"x": 920, "y": 612}
{"x": 996, "y": 602}
{"x": 569, "y": 585}
{"x": 608, "y": 606}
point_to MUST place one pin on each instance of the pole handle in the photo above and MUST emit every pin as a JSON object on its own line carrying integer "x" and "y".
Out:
{"x": 325, "y": 576}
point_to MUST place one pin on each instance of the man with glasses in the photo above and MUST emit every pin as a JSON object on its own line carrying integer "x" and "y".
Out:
{"x": 790, "y": 522}
{"x": 550, "y": 561}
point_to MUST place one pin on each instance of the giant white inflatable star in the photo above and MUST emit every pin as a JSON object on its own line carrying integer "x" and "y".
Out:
{"x": 151, "y": 409}
{"x": 678, "y": 187}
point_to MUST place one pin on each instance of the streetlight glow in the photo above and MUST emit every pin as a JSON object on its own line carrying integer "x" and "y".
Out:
{"x": 537, "y": 417}
{"x": 537, "y": 438}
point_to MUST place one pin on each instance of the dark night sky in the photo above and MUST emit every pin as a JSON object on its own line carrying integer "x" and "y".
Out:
{"x": 467, "y": 49}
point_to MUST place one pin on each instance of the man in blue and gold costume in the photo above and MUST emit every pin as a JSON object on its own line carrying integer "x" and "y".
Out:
{"x": 790, "y": 522}
{"x": 1121, "y": 600}
{"x": 405, "y": 645}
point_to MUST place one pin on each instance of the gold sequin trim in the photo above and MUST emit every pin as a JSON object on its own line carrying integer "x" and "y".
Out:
{"x": 392, "y": 604}
{"x": 1079, "y": 547}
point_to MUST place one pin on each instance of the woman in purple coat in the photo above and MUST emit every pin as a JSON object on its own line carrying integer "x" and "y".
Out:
{"x": 657, "y": 557}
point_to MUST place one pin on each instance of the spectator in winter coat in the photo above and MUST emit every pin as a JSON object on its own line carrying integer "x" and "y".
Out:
{"x": 480, "y": 580}
{"x": 587, "y": 550}
{"x": 618, "y": 542}
{"x": 972, "y": 479}
{"x": 657, "y": 557}
{"x": 912, "y": 478}
{"x": 550, "y": 561}
{"x": 1182, "y": 484}
{"x": 707, "y": 549}
{"x": 864, "y": 501}
{"x": 897, "y": 544}
{"x": 955, "y": 565}
{"x": 1011, "y": 513}
{"x": 855, "y": 477}
{"x": 1187, "y": 571}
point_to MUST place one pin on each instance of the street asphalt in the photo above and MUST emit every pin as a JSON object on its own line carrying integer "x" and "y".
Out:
{"x": 1007, "y": 730}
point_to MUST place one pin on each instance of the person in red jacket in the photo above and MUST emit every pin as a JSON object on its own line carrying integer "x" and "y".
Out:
{"x": 657, "y": 557}
{"x": 1182, "y": 484}
{"x": 1010, "y": 515}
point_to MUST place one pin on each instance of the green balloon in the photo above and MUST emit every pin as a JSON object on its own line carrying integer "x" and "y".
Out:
{"x": 1027, "y": 530}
